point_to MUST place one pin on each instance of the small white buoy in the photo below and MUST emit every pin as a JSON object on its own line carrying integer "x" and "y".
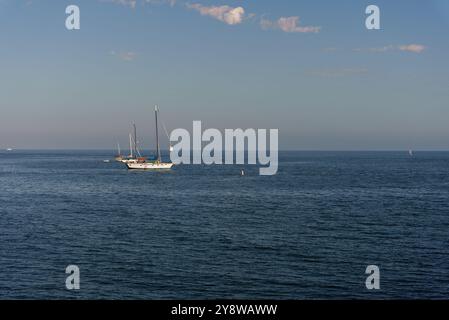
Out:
{"x": 243, "y": 173}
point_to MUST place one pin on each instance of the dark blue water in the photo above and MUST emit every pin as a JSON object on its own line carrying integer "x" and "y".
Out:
{"x": 206, "y": 232}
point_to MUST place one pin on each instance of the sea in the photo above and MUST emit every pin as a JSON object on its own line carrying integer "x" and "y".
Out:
{"x": 207, "y": 232}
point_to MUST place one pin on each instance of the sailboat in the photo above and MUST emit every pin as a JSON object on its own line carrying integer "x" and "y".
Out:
{"x": 119, "y": 156}
{"x": 144, "y": 164}
{"x": 410, "y": 153}
{"x": 134, "y": 154}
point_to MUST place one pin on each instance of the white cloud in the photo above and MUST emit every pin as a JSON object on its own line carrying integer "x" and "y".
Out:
{"x": 226, "y": 14}
{"x": 414, "y": 48}
{"x": 289, "y": 25}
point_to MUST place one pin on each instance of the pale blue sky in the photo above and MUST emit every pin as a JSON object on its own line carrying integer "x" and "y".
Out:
{"x": 339, "y": 87}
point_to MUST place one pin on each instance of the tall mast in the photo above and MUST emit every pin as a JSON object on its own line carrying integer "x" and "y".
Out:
{"x": 158, "y": 150}
{"x": 135, "y": 139}
{"x": 118, "y": 147}
{"x": 131, "y": 145}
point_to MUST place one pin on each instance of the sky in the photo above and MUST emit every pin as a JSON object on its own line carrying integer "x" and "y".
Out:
{"x": 308, "y": 68}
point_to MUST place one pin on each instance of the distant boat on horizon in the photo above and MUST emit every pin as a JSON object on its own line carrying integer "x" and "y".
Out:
{"x": 133, "y": 150}
{"x": 9, "y": 149}
{"x": 119, "y": 156}
{"x": 410, "y": 153}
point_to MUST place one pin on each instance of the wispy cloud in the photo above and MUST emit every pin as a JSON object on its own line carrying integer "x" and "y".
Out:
{"x": 330, "y": 49}
{"x": 133, "y": 3}
{"x": 376, "y": 49}
{"x": 226, "y": 14}
{"x": 127, "y": 3}
{"x": 414, "y": 48}
{"x": 172, "y": 3}
{"x": 289, "y": 25}
{"x": 126, "y": 55}
{"x": 229, "y": 15}
{"x": 334, "y": 73}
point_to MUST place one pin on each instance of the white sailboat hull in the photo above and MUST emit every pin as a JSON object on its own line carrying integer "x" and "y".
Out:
{"x": 129, "y": 161}
{"x": 148, "y": 165}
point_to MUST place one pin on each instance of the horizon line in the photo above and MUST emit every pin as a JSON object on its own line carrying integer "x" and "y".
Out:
{"x": 246, "y": 150}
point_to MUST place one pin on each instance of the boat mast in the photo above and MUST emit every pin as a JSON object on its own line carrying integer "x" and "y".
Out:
{"x": 131, "y": 145}
{"x": 135, "y": 139}
{"x": 118, "y": 147}
{"x": 158, "y": 150}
